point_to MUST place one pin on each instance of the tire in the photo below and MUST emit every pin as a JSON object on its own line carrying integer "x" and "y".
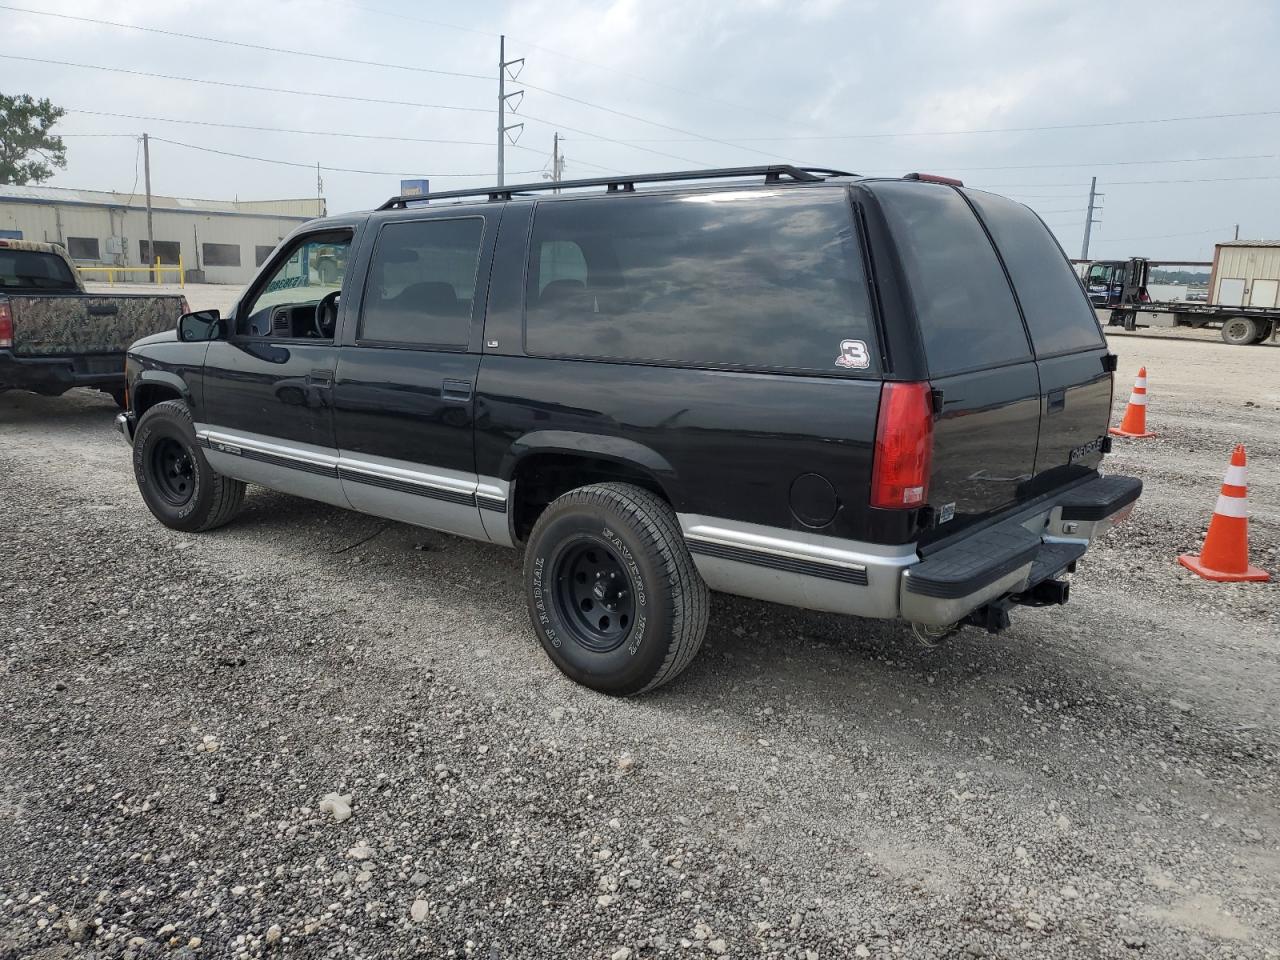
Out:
{"x": 614, "y": 596}
{"x": 175, "y": 480}
{"x": 1239, "y": 331}
{"x": 1264, "y": 332}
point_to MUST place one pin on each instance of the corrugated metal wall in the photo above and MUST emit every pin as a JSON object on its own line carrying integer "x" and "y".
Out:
{"x": 1248, "y": 264}
{"x": 56, "y": 223}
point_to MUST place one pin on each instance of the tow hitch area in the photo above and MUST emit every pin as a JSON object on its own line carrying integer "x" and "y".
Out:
{"x": 1046, "y": 593}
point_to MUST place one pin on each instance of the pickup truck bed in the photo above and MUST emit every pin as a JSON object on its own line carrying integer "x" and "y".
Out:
{"x": 55, "y": 336}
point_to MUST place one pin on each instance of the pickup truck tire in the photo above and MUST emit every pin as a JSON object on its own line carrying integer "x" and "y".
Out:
{"x": 1239, "y": 331}
{"x": 175, "y": 480}
{"x": 614, "y": 596}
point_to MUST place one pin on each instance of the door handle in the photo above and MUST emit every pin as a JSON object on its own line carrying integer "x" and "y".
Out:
{"x": 456, "y": 391}
{"x": 1057, "y": 401}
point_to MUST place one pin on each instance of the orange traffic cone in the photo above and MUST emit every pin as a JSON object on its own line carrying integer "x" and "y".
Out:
{"x": 1225, "y": 554}
{"x": 1134, "y": 423}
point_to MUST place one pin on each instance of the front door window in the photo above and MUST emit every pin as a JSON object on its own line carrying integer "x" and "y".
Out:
{"x": 299, "y": 299}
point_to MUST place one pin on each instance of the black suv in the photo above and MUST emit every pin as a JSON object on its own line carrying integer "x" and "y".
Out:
{"x": 881, "y": 397}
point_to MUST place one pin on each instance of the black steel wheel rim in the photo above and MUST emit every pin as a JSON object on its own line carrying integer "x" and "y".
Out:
{"x": 593, "y": 594}
{"x": 172, "y": 470}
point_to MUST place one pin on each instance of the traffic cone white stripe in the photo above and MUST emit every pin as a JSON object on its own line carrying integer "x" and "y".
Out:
{"x": 1141, "y": 382}
{"x": 1237, "y": 476}
{"x": 1232, "y": 506}
{"x": 1139, "y": 399}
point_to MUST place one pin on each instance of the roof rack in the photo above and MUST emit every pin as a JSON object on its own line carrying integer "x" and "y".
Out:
{"x": 627, "y": 183}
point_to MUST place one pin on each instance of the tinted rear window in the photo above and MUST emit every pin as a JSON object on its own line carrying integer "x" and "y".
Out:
{"x": 29, "y": 268}
{"x": 743, "y": 278}
{"x": 1057, "y": 311}
{"x": 967, "y": 313}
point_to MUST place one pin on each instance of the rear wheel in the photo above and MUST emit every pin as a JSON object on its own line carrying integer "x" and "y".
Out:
{"x": 614, "y": 596}
{"x": 1264, "y": 331}
{"x": 175, "y": 480}
{"x": 1239, "y": 331}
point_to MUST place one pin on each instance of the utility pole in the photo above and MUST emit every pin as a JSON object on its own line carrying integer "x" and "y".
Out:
{"x": 1237, "y": 236}
{"x": 151, "y": 238}
{"x": 556, "y": 171}
{"x": 503, "y": 97}
{"x": 320, "y": 190}
{"x": 1089, "y": 221}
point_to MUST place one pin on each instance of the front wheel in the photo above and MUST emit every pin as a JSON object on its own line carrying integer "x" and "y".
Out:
{"x": 174, "y": 478}
{"x": 614, "y": 596}
{"x": 1239, "y": 331}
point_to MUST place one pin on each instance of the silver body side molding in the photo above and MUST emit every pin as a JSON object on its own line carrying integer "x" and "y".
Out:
{"x": 796, "y": 568}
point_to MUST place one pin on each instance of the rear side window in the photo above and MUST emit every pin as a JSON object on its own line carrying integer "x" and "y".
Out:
{"x": 968, "y": 317}
{"x": 422, "y": 283}
{"x": 1057, "y": 311}
{"x": 741, "y": 278}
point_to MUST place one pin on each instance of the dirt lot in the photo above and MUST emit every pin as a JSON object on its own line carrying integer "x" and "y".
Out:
{"x": 1099, "y": 781}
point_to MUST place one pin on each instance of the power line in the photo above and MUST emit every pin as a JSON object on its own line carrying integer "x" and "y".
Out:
{"x": 1111, "y": 163}
{"x": 988, "y": 130}
{"x": 315, "y": 133}
{"x": 267, "y": 129}
{"x": 246, "y": 86}
{"x": 312, "y": 166}
{"x": 338, "y": 96}
{"x": 247, "y": 46}
{"x": 684, "y": 91}
{"x": 379, "y": 63}
{"x": 1164, "y": 236}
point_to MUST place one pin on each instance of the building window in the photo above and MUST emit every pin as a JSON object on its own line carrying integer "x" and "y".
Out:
{"x": 167, "y": 250}
{"x": 261, "y": 255}
{"x": 221, "y": 255}
{"x": 83, "y": 248}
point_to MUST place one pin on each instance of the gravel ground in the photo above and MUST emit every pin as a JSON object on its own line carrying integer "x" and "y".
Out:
{"x": 1100, "y": 781}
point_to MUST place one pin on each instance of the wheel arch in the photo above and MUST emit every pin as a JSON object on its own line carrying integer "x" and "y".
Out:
{"x": 157, "y": 386}
{"x": 544, "y": 465}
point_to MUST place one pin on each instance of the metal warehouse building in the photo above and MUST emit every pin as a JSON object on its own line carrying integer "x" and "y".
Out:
{"x": 226, "y": 240}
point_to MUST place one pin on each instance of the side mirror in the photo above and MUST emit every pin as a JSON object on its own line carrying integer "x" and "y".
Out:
{"x": 200, "y": 326}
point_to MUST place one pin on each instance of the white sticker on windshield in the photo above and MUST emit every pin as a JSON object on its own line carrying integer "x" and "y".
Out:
{"x": 853, "y": 355}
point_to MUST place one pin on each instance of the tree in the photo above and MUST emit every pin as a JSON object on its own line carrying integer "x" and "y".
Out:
{"x": 28, "y": 151}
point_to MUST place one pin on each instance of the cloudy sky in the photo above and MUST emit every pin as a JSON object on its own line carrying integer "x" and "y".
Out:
{"x": 643, "y": 85}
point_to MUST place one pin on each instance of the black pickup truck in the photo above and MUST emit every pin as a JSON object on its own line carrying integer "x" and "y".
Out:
{"x": 881, "y": 397}
{"x": 55, "y": 336}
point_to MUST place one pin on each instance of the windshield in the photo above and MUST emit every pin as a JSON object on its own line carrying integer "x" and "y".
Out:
{"x": 30, "y": 268}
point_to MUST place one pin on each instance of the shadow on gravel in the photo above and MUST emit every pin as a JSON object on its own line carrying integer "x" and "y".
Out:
{"x": 1041, "y": 690}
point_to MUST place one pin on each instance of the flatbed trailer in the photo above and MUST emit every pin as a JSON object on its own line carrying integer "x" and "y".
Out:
{"x": 1239, "y": 325}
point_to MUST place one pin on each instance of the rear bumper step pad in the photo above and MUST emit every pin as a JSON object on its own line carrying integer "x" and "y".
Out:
{"x": 1100, "y": 498}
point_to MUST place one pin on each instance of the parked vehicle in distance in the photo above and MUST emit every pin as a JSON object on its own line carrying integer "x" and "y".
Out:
{"x": 881, "y": 397}
{"x": 1243, "y": 299}
{"x": 55, "y": 336}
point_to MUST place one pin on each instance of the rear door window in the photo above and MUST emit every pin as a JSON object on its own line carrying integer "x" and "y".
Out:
{"x": 422, "y": 283}
{"x": 1058, "y": 313}
{"x": 765, "y": 279}
{"x": 968, "y": 316}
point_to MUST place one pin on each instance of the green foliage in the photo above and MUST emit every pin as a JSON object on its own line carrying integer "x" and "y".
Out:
{"x": 1180, "y": 276}
{"x": 28, "y": 151}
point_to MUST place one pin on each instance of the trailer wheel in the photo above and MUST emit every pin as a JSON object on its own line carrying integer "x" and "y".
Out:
{"x": 1239, "y": 331}
{"x": 1264, "y": 331}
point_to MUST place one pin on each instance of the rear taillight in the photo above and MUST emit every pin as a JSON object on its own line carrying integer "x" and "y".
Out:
{"x": 904, "y": 446}
{"x": 6, "y": 325}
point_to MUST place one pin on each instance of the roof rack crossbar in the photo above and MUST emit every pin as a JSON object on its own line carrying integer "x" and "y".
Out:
{"x": 624, "y": 183}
